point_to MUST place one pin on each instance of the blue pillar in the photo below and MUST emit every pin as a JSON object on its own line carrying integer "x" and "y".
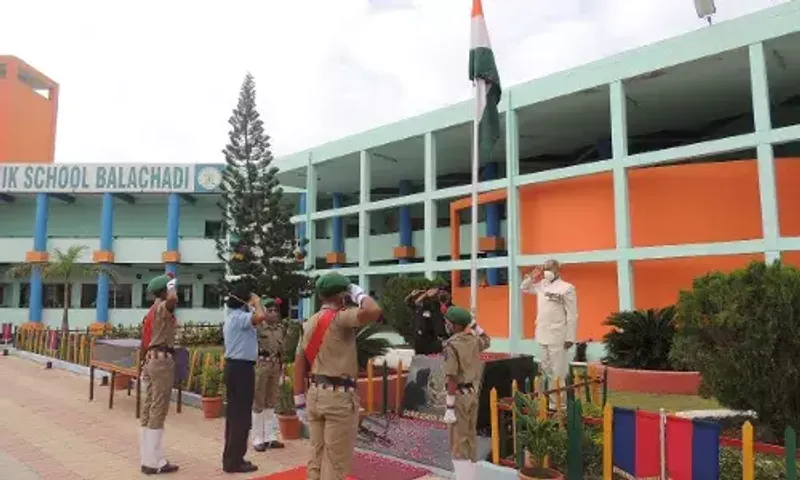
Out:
{"x": 39, "y": 245}
{"x": 492, "y": 222}
{"x": 173, "y": 227}
{"x": 405, "y": 219}
{"x": 338, "y": 223}
{"x": 106, "y": 239}
{"x": 301, "y": 234}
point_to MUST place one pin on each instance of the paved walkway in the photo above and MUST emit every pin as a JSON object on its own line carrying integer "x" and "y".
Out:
{"x": 50, "y": 431}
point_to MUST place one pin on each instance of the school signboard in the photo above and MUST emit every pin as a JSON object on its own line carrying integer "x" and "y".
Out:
{"x": 95, "y": 178}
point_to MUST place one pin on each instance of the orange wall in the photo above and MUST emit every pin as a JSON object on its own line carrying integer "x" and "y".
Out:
{"x": 787, "y": 173}
{"x": 570, "y": 215}
{"x": 657, "y": 283}
{"x": 27, "y": 119}
{"x": 791, "y": 258}
{"x": 492, "y": 308}
{"x": 695, "y": 203}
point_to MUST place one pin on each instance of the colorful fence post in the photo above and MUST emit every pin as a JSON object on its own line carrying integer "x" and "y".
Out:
{"x": 370, "y": 375}
{"x": 608, "y": 459}
{"x": 790, "y": 445}
{"x": 495, "y": 421}
{"x": 748, "y": 461}
{"x": 385, "y": 388}
{"x": 574, "y": 440}
{"x": 514, "y": 391}
{"x": 398, "y": 390}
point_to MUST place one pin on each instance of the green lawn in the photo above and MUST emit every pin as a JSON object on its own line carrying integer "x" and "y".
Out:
{"x": 653, "y": 402}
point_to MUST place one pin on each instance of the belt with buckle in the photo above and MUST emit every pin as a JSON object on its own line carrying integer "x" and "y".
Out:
{"x": 465, "y": 388}
{"x": 339, "y": 384}
{"x": 152, "y": 354}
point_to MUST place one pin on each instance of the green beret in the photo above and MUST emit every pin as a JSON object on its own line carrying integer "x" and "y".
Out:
{"x": 158, "y": 283}
{"x": 458, "y": 316}
{"x": 331, "y": 284}
{"x": 267, "y": 302}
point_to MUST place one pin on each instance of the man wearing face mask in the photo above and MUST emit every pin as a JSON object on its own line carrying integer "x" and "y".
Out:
{"x": 556, "y": 319}
{"x": 245, "y": 313}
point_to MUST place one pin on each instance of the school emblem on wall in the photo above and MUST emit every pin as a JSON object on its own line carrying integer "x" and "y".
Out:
{"x": 209, "y": 178}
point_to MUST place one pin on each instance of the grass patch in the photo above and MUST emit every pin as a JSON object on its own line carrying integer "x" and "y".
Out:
{"x": 654, "y": 402}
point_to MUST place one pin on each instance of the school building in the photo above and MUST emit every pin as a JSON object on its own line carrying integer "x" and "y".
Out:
{"x": 637, "y": 172}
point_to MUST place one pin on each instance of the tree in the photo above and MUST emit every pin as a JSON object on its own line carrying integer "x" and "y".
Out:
{"x": 63, "y": 266}
{"x": 741, "y": 331}
{"x": 260, "y": 247}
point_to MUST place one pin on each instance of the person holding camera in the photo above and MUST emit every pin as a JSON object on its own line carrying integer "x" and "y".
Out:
{"x": 245, "y": 313}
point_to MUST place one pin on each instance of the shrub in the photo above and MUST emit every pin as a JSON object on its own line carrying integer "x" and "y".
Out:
{"x": 396, "y": 313}
{"x": 212, "y": 380}
{"x": 286, "y": 393}
{"x": 293, "y": 332}
{"x": 741, "y": 331}
{"x": 640, "y": 339}
{"x": 368, "y": 346}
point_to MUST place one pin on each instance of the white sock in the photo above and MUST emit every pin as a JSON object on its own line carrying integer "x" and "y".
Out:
{"x": 157, "y": 437}
{"x": 257, "y": 430}
{"x": 270, "y": 426}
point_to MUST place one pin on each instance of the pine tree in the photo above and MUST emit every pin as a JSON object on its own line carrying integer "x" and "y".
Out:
{"x": 263, "y": 249}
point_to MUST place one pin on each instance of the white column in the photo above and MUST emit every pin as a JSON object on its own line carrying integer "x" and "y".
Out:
{"x": 311, "y": 226}
{"x": 515, "y": 320}
{"x": 619, "y": 148}
{"x": 766, "y": 157}
{"x": 365, "y": 185}
{"x": 430, "y": 204}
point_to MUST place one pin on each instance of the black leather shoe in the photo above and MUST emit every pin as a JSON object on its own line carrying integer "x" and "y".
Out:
{"x": 245, "y": 467}
{"x": 274, "y": 444}
{"x": 168, "y": 468}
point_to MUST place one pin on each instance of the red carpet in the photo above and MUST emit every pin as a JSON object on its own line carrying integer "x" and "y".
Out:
{"x": 365, "y": 467}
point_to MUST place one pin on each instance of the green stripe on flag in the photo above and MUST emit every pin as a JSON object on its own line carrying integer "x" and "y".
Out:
{"x": 482, "y": 66}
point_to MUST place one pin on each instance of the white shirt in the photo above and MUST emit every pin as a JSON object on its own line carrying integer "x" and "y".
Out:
{"x": 557, "y": 310}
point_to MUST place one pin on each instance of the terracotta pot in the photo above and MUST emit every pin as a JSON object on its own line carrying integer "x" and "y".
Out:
{"x": 290, "y": 426}
{"x": 212, "y": 407}
{"x": 121, "y": 382}
{"x": 529, "y": 473}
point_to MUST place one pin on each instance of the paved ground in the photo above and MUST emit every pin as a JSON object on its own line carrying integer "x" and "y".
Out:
{"x": 50, "y": 431}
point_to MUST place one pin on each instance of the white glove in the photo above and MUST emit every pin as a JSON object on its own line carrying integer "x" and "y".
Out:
{"x": 356, "y": 293}
{"x": 449, "y": 416}
{"x": 475, "y": 328}
{"x": 172, "y": 284}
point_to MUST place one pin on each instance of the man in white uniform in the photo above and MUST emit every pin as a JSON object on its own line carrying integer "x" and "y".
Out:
{"x": 556, "y": 320}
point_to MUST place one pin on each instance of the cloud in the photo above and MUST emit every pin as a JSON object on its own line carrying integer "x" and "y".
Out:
{"x": 156, "y": 81}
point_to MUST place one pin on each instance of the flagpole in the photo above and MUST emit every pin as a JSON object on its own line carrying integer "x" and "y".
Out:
{"x": 473, "y": 273}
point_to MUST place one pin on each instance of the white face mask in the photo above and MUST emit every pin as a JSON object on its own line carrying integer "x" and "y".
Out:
{"x": 549, "y": 276}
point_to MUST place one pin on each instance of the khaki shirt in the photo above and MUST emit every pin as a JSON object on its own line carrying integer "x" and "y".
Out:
{"x": 462, "y": 357}
{"x": 556, "y": 311}
{"x": 337, "y": 355}
{"x": 164, "y": 326}
{"x": 270, "y": 338}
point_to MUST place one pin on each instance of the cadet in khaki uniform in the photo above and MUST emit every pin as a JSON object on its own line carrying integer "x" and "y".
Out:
{"x": 556, "y": 320}
{"x": 326, "y": 358}
{"x": 158, "y": 340}
{"x": 462, "y": 367}
{"x": 269, "y": 373}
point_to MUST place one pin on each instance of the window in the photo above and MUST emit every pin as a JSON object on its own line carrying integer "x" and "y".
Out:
{"x": 121, "y": 296}
{"x": 184, "y": 296}
{"x": 214, "y": 229}
{"x": 5, "y": 295}
{"x": 54, "y": 295}
{"x": 24, "y": 295}
{"x": 147, "y": 299}
{"x": 211, "y": 297}
{"x": 88, "y": 295}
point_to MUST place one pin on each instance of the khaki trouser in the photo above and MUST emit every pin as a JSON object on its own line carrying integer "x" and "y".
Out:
{"x": 268, "y": 375}
{"x": 463, "y": 433}
{"x": 159, "y": 373}
{"x": 555, "y": 364}
{"x": 332, "y": 425}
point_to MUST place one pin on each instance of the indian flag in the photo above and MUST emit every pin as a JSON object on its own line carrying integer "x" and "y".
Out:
{"x": 483, "y": 72}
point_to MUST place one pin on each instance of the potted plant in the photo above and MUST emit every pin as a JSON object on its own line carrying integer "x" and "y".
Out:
{"x": 539, "y": 437}
{"x": 211, "y": 391}
{"x": 288, "y": 421}
{"x": 369, "y": 344}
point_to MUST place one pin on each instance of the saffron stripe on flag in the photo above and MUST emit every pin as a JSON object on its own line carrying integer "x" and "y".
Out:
{"x": 624, "y": 440}
{"x": 648, "y": 445}
{"x": 705, "y": 450}
{"x": 679, "y": 448}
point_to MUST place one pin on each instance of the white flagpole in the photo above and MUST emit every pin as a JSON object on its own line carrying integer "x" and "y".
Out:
{"x": 480, "y": 89}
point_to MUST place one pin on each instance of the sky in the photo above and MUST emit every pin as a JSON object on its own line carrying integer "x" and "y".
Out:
{"x": 156, "y": 81}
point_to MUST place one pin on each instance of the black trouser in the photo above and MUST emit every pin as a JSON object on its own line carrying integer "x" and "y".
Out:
{"x": 240, "y": 382}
